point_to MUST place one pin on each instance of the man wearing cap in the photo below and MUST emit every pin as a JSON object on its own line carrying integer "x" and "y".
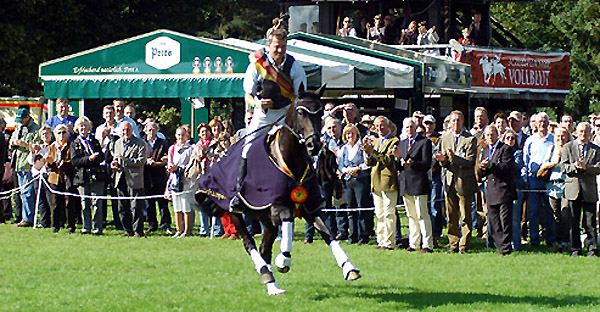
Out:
{"x": 515, "y": 122}
{"x": 351, "y": 117}
{"x": 25, "y": 133}
{"x": 62, "y": 117}
{"x": 418, "y": 117}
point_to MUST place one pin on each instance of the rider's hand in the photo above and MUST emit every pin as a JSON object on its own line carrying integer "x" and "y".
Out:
{"x": 264, "y": 103}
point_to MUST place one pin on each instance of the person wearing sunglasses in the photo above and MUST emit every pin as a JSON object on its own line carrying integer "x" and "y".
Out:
{"x": 60, "y": 174}
{"x": 347, "y": 30}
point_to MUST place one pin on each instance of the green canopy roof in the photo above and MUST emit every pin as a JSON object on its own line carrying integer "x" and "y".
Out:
{"x": 167, "y": 64}
{"x": 159, "y": 64}
{"x": 342, "y": 69}
{"x": 436, "y": 72}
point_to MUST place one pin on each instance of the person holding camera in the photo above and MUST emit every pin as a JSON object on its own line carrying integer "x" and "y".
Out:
{"x": 129, "y": 158}
{"x": 179, "y": 157}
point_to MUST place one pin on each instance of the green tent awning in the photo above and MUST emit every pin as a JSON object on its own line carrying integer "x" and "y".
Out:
{"x": 159, "y": 64}
{"x": 341, "y": 69}
{"x": 435, "y": 72}
{"x": 216, "y": 86}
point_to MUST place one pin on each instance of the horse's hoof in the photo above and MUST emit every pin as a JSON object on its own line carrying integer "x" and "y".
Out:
{"x": 277, "y": 292}
{"x": 353, "y": 275}
{"x": 266, "y": 276}
{"x": 274, "y": 290}
{"x": 283, "y": 263}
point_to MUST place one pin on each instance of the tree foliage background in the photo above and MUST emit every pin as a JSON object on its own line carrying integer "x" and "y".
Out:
{"x": 569, "y": 25}
{"x": 35, "y": 31}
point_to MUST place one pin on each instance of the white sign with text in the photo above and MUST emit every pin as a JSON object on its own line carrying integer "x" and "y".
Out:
{"x": 163, "y": 53}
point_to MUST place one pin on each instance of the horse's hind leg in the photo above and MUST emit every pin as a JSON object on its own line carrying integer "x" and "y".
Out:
{"x": 269, "y": 235}
{"x": 350, "y": 272}
{"x": 261, "y": 266}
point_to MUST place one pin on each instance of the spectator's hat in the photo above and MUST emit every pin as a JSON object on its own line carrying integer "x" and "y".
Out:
{"x": 22, "y": 113}
{"x": 516, "y": 116}
{"x": 418, "y": 114}
{"x": 429, "y": 118}
{"x": 365, "y": 120}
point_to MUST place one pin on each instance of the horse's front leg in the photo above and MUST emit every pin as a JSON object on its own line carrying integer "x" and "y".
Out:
{"x": 283, "y": 261}
{"x": 261, "y": 266}
{"x": 350, "y": 272}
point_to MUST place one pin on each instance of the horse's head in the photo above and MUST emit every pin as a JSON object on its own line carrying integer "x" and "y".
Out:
{"x": 303, "y": 119}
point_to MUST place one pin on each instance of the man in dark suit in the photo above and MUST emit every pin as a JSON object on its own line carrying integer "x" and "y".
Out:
{"x": 580, "y": 161}
{"x": 520, "y": 211}
{"x": 457, "y": 155}
{"x": 155, "y": 178}
{"x": 500, "y": 188}
{"x": 413, "y": 159}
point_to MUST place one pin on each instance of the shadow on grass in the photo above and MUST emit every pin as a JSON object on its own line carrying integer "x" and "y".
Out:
{"x": 418, "y": 299}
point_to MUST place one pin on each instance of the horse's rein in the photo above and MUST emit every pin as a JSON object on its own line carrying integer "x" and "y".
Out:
{"x": 299, "y": 136}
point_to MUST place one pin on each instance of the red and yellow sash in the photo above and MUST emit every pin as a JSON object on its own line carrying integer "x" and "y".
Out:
{"x": 267, "y": 71}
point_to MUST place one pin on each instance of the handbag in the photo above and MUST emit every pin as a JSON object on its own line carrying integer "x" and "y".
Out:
{"x": 7, "y": 177}
{"x": 543, "y": 174}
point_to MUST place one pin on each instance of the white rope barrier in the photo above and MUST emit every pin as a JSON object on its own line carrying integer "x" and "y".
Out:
{"x": 111, "y": 197}
{"x": 10, "y": 192}
{"x": 401, "y": 206}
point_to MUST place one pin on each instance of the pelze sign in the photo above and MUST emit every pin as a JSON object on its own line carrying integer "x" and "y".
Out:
{"x": 518, "y": 69}
{"x": 163, "y": 53}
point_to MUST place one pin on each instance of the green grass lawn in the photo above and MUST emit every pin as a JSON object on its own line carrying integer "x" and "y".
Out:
{"x": 40, "y": 271}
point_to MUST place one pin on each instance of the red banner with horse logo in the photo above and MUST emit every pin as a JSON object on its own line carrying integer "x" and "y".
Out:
{"x": 522, "y": 70}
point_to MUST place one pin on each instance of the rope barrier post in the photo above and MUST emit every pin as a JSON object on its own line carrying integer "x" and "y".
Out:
{"x": 37, "y": 201}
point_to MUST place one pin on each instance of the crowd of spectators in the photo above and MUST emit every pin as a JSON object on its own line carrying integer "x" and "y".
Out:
{"x": 81, "y": 164}
{"x": 512, "y": 180}
{"x": 405, "y": 31}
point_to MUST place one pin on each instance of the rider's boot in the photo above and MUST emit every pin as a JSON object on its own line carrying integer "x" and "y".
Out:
{"x": 236, "y": 205}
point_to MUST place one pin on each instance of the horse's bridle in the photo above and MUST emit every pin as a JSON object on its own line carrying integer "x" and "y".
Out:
{"x": 300, "y": 136}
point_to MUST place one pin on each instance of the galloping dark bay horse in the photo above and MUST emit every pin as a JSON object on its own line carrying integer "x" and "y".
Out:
{"x": 279, "y": 186}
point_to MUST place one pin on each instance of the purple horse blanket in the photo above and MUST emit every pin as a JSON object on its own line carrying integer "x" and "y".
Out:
{"x": 265, "y": 184}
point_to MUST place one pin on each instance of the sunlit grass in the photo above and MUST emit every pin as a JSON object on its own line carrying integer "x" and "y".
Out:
{"x": 41, "y": 271}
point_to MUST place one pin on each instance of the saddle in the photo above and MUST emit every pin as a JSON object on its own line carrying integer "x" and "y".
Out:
{"x": 266, "y": 184}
